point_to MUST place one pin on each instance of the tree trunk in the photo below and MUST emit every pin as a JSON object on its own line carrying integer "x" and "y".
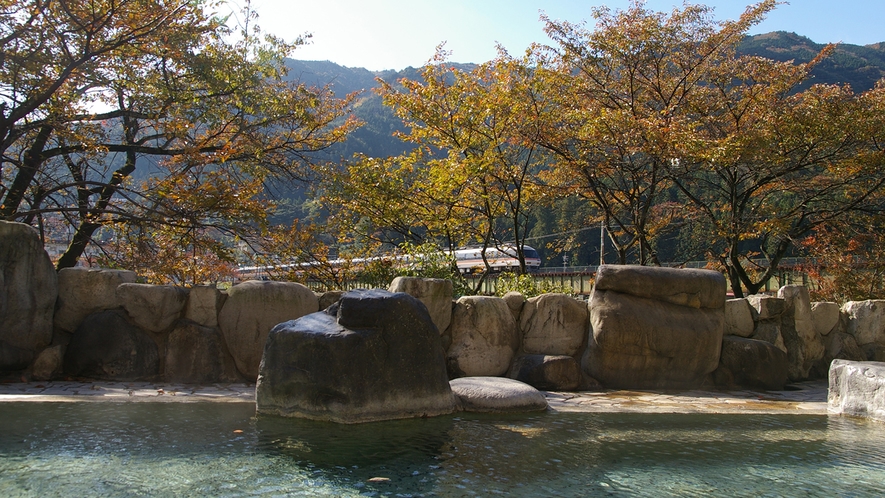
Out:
{"x": 33, "y": 158}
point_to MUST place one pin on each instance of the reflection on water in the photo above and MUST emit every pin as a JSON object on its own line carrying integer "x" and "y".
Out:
{"x": 200, "y": 449}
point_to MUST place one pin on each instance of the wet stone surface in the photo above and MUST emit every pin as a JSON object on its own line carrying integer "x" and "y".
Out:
{"x": 808, "y": 398}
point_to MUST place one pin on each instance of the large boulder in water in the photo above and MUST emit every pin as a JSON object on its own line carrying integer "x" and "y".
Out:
{"x": 374, "y": 355}
{"x": 28, "y": 291}
{"x": 252, "y": 308}
{"x": 655, "y": 327}
{"x": 857, "y": 388}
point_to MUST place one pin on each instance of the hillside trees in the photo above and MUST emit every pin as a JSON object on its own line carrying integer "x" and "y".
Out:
{"x": 659, "y": 121}
{"x": 143, "y": 116}
{"x": 474, "y": 176}
{"x": 624, "y": 92}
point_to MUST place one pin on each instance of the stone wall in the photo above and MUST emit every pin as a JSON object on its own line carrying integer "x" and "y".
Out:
{"x": 674, "y": 327}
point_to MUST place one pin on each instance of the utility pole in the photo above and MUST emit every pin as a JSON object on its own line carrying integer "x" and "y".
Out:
{"x": 601, "y": 242}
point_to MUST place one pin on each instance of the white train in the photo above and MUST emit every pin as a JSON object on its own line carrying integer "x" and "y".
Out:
{"x": 469, "y": 259}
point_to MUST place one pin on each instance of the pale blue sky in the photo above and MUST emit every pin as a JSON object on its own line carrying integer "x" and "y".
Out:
{"x": 394, "y": 34}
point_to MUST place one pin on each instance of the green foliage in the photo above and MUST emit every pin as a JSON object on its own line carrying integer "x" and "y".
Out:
{"x": 413, "y": 260}
{"x": 528, "y": 286}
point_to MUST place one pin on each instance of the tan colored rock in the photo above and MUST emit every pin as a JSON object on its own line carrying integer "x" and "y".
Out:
{"x": 766, "y": 307}
{"x": 554, "y": 324}
{"x": 204, "y": 303}
{"x": 252, "y": 308}
{"x": 49, "y": 363}
{"x": 866, "y": 321}
{"x": 329, "y": 298}
{"x": 28, "y": 292}
{"x": 639, "y": 343}
{"x": 804, "y": 345}
{"x": 152, "y": 307}
{"x": 435, "y": 293}
{"x": 825, "y": 317}
{"x": 770, "y": 331}
{"x": 83, "y": 291}
{"x": 515, "y": 301}
{"x": 680, "y": 286}
{"x": 484, "y": 337}
{"x": 738, "y": 318}
{"x": 197, "y": 354}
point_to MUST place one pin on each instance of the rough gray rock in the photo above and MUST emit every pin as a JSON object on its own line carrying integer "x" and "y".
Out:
{"x": 373, "y": 356}
{"x": 857, "y": 388}
{"x": 749, "y": 363}
{"x": 28, "y": 291}
{"x": 766, "y": 307}
{"x": 639, "y": 342}
{"x": 252, "y": 309}
{"x": 842, "y": 346}
{"x": 204, "y": 303}
{"x": 107, "y": 346}
{"x": 49, "y": 363}
{"x": 546, "y": 372}
{"x": 554, "y": 324}
{"x": 825, "y": 317}
{"x": 769, "y": 331}
{"x": 152, "y": 307}
{"x": 196, "y": 354}
{"x": 484, "y": 337}
{"x": 435, "y": 293}
{"x": 497, "y": 395}
{"x": 866, "y": 321}
{"x": 83, "y": 291}
{"x": 329, "y": 298}
{"x": 738, "y": 318}
{"x": 804, "y": 346}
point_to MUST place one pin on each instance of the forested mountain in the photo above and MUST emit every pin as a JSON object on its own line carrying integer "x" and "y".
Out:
{"x": 859, "y": 66}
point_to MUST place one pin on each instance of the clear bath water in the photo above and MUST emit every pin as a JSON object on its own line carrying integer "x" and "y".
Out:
{"x": 206, "y": 449}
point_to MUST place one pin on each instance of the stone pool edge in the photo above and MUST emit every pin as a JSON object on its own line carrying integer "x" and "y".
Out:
{"x": 806, "y": 398}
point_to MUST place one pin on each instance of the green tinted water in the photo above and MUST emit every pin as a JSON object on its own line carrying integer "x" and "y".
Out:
{"x": 204, "y": 449}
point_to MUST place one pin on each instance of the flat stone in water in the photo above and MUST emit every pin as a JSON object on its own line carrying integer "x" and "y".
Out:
{"x": 497, "y": 394}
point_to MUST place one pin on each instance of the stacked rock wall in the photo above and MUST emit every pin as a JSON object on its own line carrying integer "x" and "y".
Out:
{"x": 644, "y": 327}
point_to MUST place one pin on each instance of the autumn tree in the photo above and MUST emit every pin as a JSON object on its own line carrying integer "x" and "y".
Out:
{"x": 484, "y": 179}
{"x": 624, "y": 92}
{"x": 769, "y": 164}
{"x": 205, "y": 121}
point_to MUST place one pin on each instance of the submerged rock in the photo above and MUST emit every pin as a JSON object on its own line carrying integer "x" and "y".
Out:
{"x": 497, "y": 395}
{"x": 375, "y": 355}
